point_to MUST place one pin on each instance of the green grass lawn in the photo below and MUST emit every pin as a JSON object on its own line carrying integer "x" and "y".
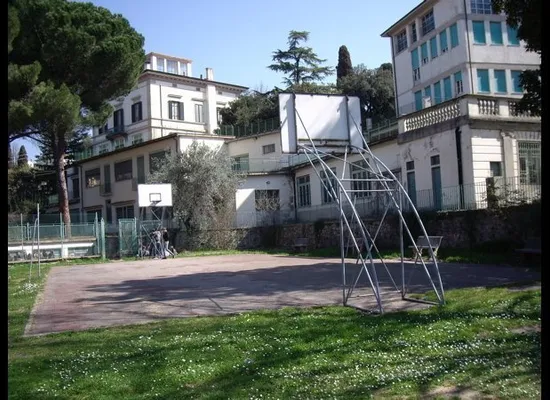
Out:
{"x": 486, "y": 341}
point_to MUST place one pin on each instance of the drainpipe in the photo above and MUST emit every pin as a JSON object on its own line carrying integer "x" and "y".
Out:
{"x": 468, "y": 48}
{"x": 394, "y": 79}
{"x": 458, "y": 141}
{"x": 81, "y": 189}
{"x": 293, "y": 176}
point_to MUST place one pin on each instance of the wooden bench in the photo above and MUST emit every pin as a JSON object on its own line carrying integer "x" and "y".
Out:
{"x": 424, "y": 244}
{"x": 300, "y": 244}
{"x": 532, "y": 247}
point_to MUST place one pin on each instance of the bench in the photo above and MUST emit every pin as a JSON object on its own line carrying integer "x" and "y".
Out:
{"x": 300, "y": 244}
{"x": 422, "y": 244}
{"x": 532, "y": 247}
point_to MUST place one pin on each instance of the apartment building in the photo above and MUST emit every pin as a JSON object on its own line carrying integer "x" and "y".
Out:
{"x": 456, "y": 67}
{"x": 166, "y": 111}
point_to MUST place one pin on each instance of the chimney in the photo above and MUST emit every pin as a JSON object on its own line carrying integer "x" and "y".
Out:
{"x": 209, "y": 74}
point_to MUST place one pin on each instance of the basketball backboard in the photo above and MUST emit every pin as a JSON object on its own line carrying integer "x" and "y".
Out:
{"x": 331, "y": 122}
{"x": 155, "y": 195}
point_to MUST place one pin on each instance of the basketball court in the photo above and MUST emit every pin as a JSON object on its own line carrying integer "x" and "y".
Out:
{"x": 82, "y": 297}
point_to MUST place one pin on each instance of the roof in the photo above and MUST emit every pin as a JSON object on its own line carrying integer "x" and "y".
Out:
{"x": 186, "y": 60}
{"x": 423, "y": 6}
{"x": 190, "y": 78}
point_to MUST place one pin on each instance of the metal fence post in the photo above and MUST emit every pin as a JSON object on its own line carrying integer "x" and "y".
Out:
{"x": 102, "y": 238}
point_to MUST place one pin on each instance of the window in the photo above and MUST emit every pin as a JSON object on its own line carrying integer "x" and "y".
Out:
{"x": 418, "y": 100}
{"x": 240, "y": 163}
{"x": 359, "y": 174}
{"x": 124, "y": 212}
{"x": 453, "y": 30}
{"x": 424, "y": 53}
{"x": 268, "y": 148}
{"x": 495, "y": 168}
{"x": 328, "y": 184}
{"x": 496, "y": 32}
{"x": 437, "y": 92}
{"x": 529, "y": 163}
{"x": 160, "y": 64}
{"x": 415, "y": 65}
{"x": 401, "y": 40}
{"x": 411, "y": 181}
{"x": 516, "y": 82}
{"x": 172, "y": 67}
{"x": 304, "y": 191}
{"x": 443, "y": 45}
{"x": 156, "y": 160}
{"x": 137, "y": 112}
{"x": 459, "y": 87}
{"x": 137, "y": 138}
{"x": 103, "y": 148}
{"x": 175, "y": 110}
{"x": 428, "y": 23}
{"x": 447, "y": 88}
{"x": 434, "y": 161}
{"x": 428, "y": 92}
{"x": 267, "y": 200}
{"x": 199, "y": 113}
{"x": 118, "y": 119}
{"x": 500, "y": 80}
{"x": 76, "y": 188}
{"x": 414, "y": 36}
{"x": 436, "y": 182}
{"x": 433, "y": 47}
{"x": 512, "y": 36}
{"x": 93, "y": 178}
{"x": 479, "y": 32}
{"x": 183, "y": 69}
{"x": 119, "y": 143}
{"x": 483, "y": 81}
{"x": 219, "y": 115}
{"x": 123, "y": 170}
{"x": 481, "y": 7}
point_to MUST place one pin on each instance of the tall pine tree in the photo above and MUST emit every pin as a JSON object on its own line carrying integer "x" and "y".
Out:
{"x": 300, "y": 63}
{"x": 22, "y": 157}
{"x": 345, "y": 66}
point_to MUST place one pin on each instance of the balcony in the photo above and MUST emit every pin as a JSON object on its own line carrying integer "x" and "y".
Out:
{"x": 384, "y": 130}
{"x": 116, "y": 132}
{"x": 471, "y": 106}
{"x": 259, "y": 165}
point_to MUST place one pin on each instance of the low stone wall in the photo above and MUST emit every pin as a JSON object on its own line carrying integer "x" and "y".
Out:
{"x": 462, "y": 229}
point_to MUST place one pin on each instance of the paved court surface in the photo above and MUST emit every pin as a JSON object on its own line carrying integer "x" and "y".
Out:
{"x": 83, "y": 297}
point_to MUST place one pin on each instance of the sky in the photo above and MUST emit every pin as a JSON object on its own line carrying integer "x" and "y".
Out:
{"x": 236, "y": 38}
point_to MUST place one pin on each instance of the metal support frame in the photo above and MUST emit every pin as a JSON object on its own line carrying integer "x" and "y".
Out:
{"x": 387, "y": 186}
{"x": 145, "y": 232}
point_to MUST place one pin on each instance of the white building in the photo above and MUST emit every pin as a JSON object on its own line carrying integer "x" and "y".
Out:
{"x": 165, "y": 112}
{"x": 456, "y": 67}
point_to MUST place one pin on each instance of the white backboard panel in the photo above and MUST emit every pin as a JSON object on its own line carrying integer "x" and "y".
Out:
{"x": 331, "y": 121}
{"x": 155, "y": 195}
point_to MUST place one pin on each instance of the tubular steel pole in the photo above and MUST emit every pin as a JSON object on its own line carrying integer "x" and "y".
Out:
{"x": 38, "y": 235}
{"x": 402, "y": 246}
{"x": 342, "y": 247}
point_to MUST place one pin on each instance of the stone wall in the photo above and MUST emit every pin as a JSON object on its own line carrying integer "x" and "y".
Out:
{"x": 462, "y": 229}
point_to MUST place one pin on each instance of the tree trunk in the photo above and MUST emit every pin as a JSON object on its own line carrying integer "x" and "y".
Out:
{"x": 59, "y": 154}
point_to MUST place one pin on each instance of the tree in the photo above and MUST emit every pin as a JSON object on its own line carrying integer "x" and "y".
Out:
{"x": 250, "y": 107}
{"x": 203, "y": 187}
{"x": 526, "y": 17}
{"x": 344, "y": 67}
{"x": 22, "y": 157}
{"x": 62, "y": 73}
{"x": 375, "y": 89}
{"x": 300, "y": 63}
{"x": 10, "y": 157}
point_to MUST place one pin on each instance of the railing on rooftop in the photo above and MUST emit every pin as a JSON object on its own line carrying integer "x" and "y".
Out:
{"x": 254, "y": 128}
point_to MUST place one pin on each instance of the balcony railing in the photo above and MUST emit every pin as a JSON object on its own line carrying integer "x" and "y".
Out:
{"x": 473, "y": 106}
{"x": 254, "y": 128}
{"x": 383, "y": 130}
{"x": 116, "y": 131}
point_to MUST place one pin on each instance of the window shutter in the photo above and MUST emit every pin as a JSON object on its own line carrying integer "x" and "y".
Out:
{"x": 140, "y": 112}
{"x": 180, "y": 111}
{"x": 170, "y": 109}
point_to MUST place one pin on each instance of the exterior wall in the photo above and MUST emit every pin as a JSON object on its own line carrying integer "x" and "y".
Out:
{"x": 420, "y": 151}
{"x": 467, "y": 57}
{"x": 245, "y": 202}
{"x": 215, "y": 143}
{"x": 123, "y": 192}
{"x": 257, "y": 160}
